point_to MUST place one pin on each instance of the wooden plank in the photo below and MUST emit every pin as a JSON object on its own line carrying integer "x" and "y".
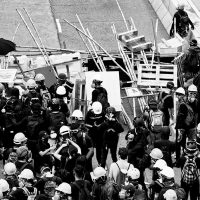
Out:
{"x": 153, "y": 75}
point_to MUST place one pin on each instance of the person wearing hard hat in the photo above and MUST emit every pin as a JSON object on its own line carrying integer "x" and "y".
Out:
{"x": 80, "y": 134}
{"x": 63, "y": 192}
{"x": 94, "y": 118}
{"x": 99, "y": 93}
{"x": 190, "y": 175}
{"x": 170, "y": 195}
{"x": 4, "y": 190}
{"x": 181, "y": 22}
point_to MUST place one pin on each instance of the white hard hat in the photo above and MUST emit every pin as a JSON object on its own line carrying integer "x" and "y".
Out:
{"x": 10, "y": 168}
{"x": 78, "y": 114}
{"x": 156, "y": 153}
{"x": 19, "y": 138}
{"x": 97, "y": 173}
{"x": 4, "y": 186}
{"x": 39, "y": 77}
{"x": 180, "y": 90}
{"x": 167, "y": 172}
{"x": 26, "y": 174}
{"x": 61, "y": 90}
{"x": 160, "y": 164}
{"x": 134, "y": 173}
{"x": 97, "y": 78}
{"x": 170, "y": 195}
{"x": 64, "y": 130}
{"x": 31, "y": 83}
{"x": 65, "y": 188}
{"x": 97, "y": 107}
{"x": 192, "y": 88}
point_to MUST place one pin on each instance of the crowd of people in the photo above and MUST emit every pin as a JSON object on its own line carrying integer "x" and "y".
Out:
{"x": 47, "y": 151}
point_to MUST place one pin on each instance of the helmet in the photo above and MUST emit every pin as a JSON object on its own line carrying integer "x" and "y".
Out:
{"x": 78, "y": 114}
{"x": 97, "y": 173}
{"x": 1, "y": 87}
{"x": 26, "y": 174}
{"x": 170, "y": 195}
{"x": 22, "y": 152}
{"x": 138, "y": 122}
{"x": 167, "y": 172}
{"x": 62, "y": 76}
{"x": 39, "y": 77}
{"x": 97, "y": 78}
{"x": 192, "y": 88}
{"x": 180, "y": 90}
{"x": 19, "y": 138}
{"x": 134, "y": 173}
{"x": 61, "y": 90}
{"x": 170, "y": 85}
{"x": 160, "y": 164}
{"x": 97, "y": 107}
{"x": 10, "y": 168}
{"x": 55, "y": 101}
{"x": 156, "y": 153}
{"x": 64, "y": 130}
{"x": 4, "y": 186}
{"x": 65, "y": 188}
{"x": 31, "y": 83}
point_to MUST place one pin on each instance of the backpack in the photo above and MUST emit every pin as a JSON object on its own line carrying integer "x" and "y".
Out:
{"x": 56, "y": 120}
{"x": 110, "y": 135}
{"x": 190, "y": 116}
{"x": 31, "y": 195}
{"x": 110, "y": 191}
{"x": 84, "y": 193}
{"x": 156, "y": 119}
{"x": 121, "y": 176}
{"x": 189, "y": 172}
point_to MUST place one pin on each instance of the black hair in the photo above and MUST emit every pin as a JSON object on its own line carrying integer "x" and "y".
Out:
{"x": 79, "y": 171}
{"x": 123, "y": 153}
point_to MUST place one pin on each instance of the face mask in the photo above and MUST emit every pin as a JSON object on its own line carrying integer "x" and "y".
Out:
{"x": 192, "y": 99}
{"x": 53, "y": 135}
{"x": 56, "y": 196}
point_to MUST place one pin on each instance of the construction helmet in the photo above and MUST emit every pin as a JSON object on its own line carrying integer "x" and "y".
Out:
{"x": 39, "y": 77}
{"x": 61, "y": 90}
{"x": 26, "y": 174}
{"x": 160, "y": 164}
{"x": 62, "y": 76}
{"x": 156, "y": 154}
{"x": 192, "y": 88}
{"x": 4, "y": 186}
{"x": 65, "y": 188}
{"x": 170, "y": 195}
{"x": 180, "y": 90}
{"x": 97, "y": 107}
{"x": 97, "y": 173}
{"x": 10, "y": 168}
{"x": 133, "y": 173}
{"x": 64, "y": 130}
{"x": 31, "y": 84}
{"x": 97, "y": 78}
{"x": 19, "y": 138}
{"x": 168, "y": 172}
{"x": 2, "y": 88}
{"x": 78, "y": 114}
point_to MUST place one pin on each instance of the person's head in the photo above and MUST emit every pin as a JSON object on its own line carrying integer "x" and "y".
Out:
{"x": 19, "y": 139}
{"x": 4, "y": 187}
{"x": 43, "y": 136}
{"x": 155, "y": 155}
{"x": 97, "y": 108}
{"x": 130, "y": 137}
{"x": 111, "y": 113}
{"x": 180, "y": 6}
{"x": 165, "y": 132}
{"x": 31, "y": 85}
{"x": 78, "y": 172}
{"x": 192, "y": 92}
{"x": 10, "y": 169}
{"x": 97, "y": 80}
{"x": 64, "y": 133}
{"x": 36, "y": 108}
{"x": 167, "y": 175}
{"x": 26, "y": 178}
{"x": 15, "y": 93}
{"x": 63, "y": 192}
{"x": 159, "y": 166}
{"x": 77, "y": 116}
{"x": 52, "y": 132}
{"x": 169, "y": 86}
{"x": 180, "y": 94}
{"x": 50, "y": 188}
{"x": 60, "y": 91}
{"x": 123, "y": 153}
{"x": 55, "y": 104}
{"x": 44, "y": 170}
{"x": 22, "y": 153}
{"x": 138, "y": 122}
{"x": 62, "y": 78}
{"x": 153, "y": 104}
{"x": 170, "y": 195}
{"x": 193, "y": 43}
{"x": 81, "y": 160}
{"x": 39, "y": 79}
{"x": 191, "y": 148}
{"x": 133, "y": 175}
{"x": 98, "y": 174}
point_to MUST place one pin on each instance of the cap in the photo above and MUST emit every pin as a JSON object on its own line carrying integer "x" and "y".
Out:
{"x": 97, "y": 173}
